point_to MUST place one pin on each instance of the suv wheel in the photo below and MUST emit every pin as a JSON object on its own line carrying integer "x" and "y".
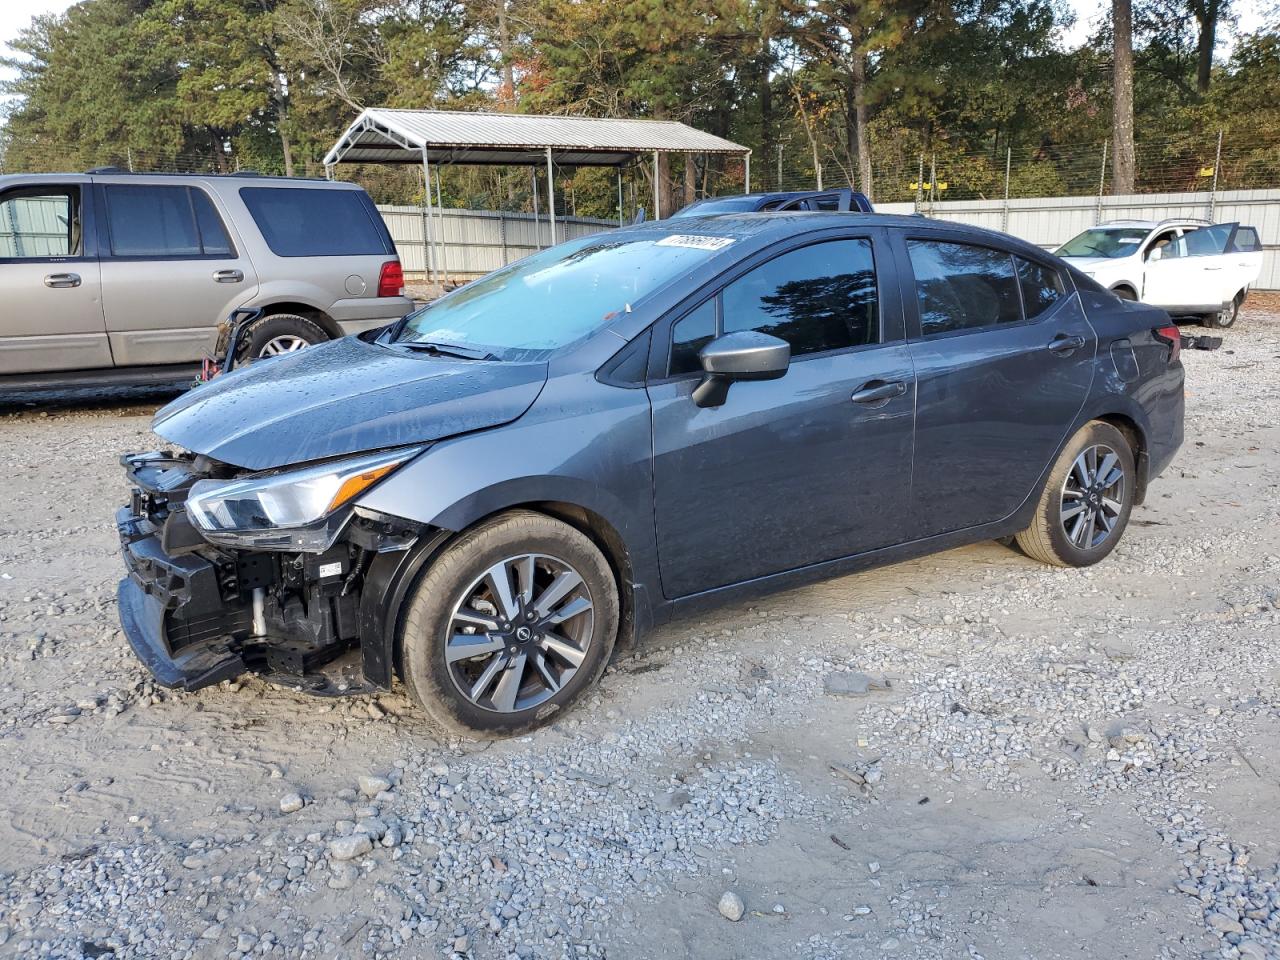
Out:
{"x": 1224, "y": 318}
{"x": 279, "y": 333}
{"x": 1085, "y": 505}
{"x": 512, "y": 622}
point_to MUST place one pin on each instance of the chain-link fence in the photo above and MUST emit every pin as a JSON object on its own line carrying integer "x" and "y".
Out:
{"x": 1214, "y": 161}
{"x": 900, "y": 172}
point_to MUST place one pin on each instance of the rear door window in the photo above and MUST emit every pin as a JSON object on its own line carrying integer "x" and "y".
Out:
{"x": 960, "y": 286}
{"x": 40, "y": 223}
{"x": 303, "y": 222}
{"x": 163, "y": 221}
{"x": 1042, "y": 287}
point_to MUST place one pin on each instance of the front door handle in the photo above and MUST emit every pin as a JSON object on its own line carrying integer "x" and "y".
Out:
{"x": 878, "y": 392}
{"x": 1063, "y": 344}
{"x": 228, "y": 276}
{"x": 62, "y": 280}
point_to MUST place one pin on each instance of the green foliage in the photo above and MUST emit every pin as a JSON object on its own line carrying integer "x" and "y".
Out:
{"x": 964, "y": 84}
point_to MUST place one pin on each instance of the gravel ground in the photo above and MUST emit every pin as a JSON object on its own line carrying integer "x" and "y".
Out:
{"x": 968, "y": 755}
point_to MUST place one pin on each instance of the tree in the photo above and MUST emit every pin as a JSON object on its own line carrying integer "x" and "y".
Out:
{"x": 1123, "y": 158}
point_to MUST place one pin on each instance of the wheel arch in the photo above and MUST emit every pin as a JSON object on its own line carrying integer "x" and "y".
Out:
{"x": 1137, "y": 438}
{"x": 312, "y": 313}
{"x": 392, "y": 577}
{"x": 1125, "y": 285}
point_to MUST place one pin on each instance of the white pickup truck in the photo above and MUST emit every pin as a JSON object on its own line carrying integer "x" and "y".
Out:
{"x": 1188, "y": 267}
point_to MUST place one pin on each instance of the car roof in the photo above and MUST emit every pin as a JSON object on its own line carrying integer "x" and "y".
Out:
{"x": 772, "y": 225}
{"x": 103, "y": 175}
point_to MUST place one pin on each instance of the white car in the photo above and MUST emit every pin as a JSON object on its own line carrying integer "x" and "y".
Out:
{"x": 1188, "y": 267}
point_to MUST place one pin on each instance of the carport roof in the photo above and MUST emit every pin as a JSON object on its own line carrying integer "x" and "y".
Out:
{"x": 456, "y": 136}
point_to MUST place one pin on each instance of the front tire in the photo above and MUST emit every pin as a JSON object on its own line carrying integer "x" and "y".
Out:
{"x": 1085, "y": 505}
{"x": 510, "y": 624}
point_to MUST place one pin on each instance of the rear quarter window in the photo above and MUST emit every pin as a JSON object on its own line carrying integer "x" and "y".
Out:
{"x": 303, "y": 222}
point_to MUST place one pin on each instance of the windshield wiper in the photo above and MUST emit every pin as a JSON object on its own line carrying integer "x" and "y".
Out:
{"x": 445, "y": 350}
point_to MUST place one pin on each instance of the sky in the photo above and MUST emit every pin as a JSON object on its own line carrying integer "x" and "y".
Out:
{"x": 16, "y": 14}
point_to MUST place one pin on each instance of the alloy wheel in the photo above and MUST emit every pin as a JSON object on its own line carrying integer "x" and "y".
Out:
{"x": 1093, "y": 497}
{"x": 519, "y": 633}
{"x": 285, "y": 343}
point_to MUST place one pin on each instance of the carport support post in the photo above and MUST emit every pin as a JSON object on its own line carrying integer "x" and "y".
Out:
{"x": 551, "y": 197}
{"x": 428, "y": 261}
{"x": 619, "y": 196}
{"x": 657, "y": 208}
{"x": 444, "y": 263}
{"x": 746, "y": 180}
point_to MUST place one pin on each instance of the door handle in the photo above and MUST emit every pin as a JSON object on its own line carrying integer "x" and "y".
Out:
{"x": 1063, "y": 344}
{"x": 1207, "y": 269}
{"x": 228, "y": 276}
{"x": 62, "y": 280}
{"x": 878, "y": 392}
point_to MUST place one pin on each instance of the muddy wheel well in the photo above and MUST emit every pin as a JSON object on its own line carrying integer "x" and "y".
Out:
{"x": 1127, "y": 288}
{"x": 318, "y": 317}
{"x": 1138, "y": 443}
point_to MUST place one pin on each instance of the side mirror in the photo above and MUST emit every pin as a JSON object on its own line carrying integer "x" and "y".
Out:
{"x": 745, "y": 355}
{"x": 1154, "y": 254}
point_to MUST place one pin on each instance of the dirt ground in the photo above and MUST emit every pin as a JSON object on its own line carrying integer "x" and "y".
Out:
{"x": 1046, "y": 763}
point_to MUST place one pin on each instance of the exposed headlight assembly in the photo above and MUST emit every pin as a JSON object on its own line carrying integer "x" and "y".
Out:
{"x": 301, "y": 510}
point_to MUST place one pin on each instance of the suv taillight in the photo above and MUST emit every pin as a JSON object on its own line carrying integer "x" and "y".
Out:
{"x": 391, "y": 280}
{"x": 1173, "y": 337}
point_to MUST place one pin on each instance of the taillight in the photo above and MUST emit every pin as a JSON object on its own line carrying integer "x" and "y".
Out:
{"x": 1173, "y": 337}
{"x": 391, "y": 280}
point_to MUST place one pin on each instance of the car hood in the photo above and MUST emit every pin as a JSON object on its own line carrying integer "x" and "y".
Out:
{"x": 344, "y": 397}
{"x": 1093, "y": 264}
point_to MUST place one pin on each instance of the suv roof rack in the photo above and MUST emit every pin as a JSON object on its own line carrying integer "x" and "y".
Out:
{"x": 1184, "y": 220}
{"x": 117, "y": 171}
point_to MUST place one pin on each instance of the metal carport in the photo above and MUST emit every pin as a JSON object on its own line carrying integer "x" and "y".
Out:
{"x": 424, "y": 137}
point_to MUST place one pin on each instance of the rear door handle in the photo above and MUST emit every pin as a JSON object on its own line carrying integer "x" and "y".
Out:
{"x": 1065, "y": 344}
{"x": 62, "y": 280}
{"x": 228, "y": 276}
{"x": 878, "y": 391}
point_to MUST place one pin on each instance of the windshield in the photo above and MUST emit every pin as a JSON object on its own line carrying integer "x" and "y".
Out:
{"x": 719, "y": 205}
{"x": 530, "y": 309}
{"x": 1107, "y": 242}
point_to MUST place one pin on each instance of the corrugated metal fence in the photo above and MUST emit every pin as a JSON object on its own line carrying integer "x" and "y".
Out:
{"x": 476, "y": 241}
{"x": 469, "y": 243}
{"x": 1055, "y": 220}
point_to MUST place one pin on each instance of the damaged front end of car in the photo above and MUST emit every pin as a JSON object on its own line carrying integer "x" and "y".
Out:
{"x": 278, "y": 573}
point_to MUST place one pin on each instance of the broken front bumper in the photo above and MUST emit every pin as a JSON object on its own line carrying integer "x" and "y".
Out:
{"x": 174, "y": 613}
{"x": 197, "y": 613}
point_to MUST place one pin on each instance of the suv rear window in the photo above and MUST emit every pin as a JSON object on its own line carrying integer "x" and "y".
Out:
{"x": 302, "y": 222}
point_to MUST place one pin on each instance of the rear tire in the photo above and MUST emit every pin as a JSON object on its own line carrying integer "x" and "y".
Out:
{"x": 1224, "y": 318}
{"x": 277, "y": 334}
{"x": 1085, "y": 505}
{"x": 543, "y": 644}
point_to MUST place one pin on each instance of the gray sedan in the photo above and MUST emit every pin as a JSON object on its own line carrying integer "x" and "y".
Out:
{"x": 486, "y": 497}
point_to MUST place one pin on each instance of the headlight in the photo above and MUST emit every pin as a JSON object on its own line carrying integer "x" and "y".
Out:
{"x": 300, "y": 510}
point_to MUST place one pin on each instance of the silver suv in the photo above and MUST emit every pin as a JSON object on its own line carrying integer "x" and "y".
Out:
{"x": 112, "y": 276}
